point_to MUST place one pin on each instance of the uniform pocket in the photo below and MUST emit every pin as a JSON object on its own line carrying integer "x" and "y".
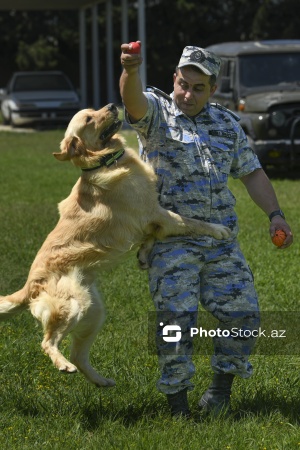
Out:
{"x": 222, "y": 149}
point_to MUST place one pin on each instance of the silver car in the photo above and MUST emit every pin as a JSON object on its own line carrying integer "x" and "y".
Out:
{"x": 38, "y": 97}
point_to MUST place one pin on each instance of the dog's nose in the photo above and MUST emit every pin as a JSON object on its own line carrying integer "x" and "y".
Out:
{"x": 112, "y": 107}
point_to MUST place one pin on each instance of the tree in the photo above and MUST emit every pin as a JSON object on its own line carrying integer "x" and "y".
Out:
{"x": 49, "y": 39}
{"x": 37, "y": 40}
{"x": 277, "y": 19}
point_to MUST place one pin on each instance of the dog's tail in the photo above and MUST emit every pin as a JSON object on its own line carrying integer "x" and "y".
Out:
{"x": 14, "y": 303}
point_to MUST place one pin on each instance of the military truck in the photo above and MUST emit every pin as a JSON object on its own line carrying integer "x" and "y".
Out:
{"x": 260, "y": 80}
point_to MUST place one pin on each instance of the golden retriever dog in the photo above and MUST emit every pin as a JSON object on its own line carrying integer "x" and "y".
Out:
{"x": 112, "y": 208}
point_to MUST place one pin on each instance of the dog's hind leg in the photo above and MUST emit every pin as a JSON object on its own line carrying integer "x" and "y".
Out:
{"x": 57, "y": 323}
{"x": 50, "y": 346}
{"x": 83, "y": 337}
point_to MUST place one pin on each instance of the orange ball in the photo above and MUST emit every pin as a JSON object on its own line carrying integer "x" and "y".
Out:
{"x": 279, "y": 238}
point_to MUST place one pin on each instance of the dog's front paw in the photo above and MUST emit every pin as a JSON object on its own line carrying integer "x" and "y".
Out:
{"x": 221, "y": 232}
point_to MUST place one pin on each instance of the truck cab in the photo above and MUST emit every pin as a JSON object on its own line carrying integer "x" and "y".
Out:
{"x": 260, "y": 80}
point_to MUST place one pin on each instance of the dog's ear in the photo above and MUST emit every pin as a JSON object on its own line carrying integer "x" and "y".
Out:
{"x": 70, "y": 147}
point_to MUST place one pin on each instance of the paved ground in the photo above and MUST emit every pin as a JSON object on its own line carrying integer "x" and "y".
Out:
{"x": 16, "y": 129}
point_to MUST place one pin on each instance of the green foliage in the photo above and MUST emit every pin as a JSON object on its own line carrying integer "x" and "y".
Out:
{"x": 208, "y": 22}
{"x": 45, "y": 39}
{"x": 40, "y": 55}
{"x": 277, "y": 19}
{"x": 43, "y": 409}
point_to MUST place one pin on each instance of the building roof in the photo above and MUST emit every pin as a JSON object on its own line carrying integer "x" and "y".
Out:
{"x": 36, "y": 5}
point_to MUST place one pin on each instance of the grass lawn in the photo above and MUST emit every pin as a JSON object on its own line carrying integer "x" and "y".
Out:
{"x": 43, "y": 409}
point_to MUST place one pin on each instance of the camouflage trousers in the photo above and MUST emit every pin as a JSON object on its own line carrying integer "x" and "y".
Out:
{"x": 181, "y": 275}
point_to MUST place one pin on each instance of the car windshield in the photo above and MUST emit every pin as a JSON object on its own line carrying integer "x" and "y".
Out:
{"x": 41, "y": 83}
{"x": 269, "y": 69}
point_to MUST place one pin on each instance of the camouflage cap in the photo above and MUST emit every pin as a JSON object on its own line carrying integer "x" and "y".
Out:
{"x": 206, "y": 61}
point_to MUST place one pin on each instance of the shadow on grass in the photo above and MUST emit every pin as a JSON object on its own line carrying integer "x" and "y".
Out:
{"x": 262, "y": 406}
{"x": 266, "y": 404}
{"x": 94, "y": 416}
{"x": 93, "y": 413}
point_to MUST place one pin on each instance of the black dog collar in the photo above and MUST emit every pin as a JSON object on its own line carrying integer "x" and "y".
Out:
{"x": 107, "y": 160}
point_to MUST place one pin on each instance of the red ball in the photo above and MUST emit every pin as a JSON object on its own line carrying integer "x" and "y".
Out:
{"x": 279, "y": 238}
{"x": 134, "y": 47}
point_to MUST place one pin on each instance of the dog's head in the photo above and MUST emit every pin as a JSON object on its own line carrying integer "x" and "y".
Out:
{"x": 88, "y": 135}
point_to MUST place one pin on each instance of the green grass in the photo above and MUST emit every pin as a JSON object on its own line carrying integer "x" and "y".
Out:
{"x": 43, "y": 409}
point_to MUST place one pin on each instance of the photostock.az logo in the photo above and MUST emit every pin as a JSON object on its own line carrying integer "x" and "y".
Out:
{"x": 167, "y": 329}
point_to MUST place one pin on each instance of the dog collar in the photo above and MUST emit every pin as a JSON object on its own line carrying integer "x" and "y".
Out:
{"x": 107, "y": 160}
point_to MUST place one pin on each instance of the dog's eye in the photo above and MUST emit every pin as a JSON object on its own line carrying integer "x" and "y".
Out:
{"x": 88, "y": 119}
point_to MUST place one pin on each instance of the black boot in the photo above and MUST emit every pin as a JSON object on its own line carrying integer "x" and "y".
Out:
{"x": 216, "y": 400}
{"x": 178, "y": 404}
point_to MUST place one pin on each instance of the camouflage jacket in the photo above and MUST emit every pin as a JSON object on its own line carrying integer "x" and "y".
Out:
{"x": 193, "y": 158}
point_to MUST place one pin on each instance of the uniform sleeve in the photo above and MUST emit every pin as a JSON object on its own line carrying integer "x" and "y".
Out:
{"x": 245, "y": 160}
{"x": 144, "y": 126}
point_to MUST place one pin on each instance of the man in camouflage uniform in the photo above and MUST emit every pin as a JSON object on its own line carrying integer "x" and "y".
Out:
{"x": 194, "y": 146}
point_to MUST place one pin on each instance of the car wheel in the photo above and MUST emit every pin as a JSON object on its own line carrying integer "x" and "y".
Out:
{"x": 10, "y": 120}
{"x": 5, "y": 120}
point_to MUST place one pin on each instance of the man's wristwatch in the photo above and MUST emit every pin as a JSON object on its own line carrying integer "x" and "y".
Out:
{"x": 278, "y": 212}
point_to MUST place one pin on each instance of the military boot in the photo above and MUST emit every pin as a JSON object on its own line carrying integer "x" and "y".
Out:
{"x": 178, "y": 404}
{"x": 216, "y": 400}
